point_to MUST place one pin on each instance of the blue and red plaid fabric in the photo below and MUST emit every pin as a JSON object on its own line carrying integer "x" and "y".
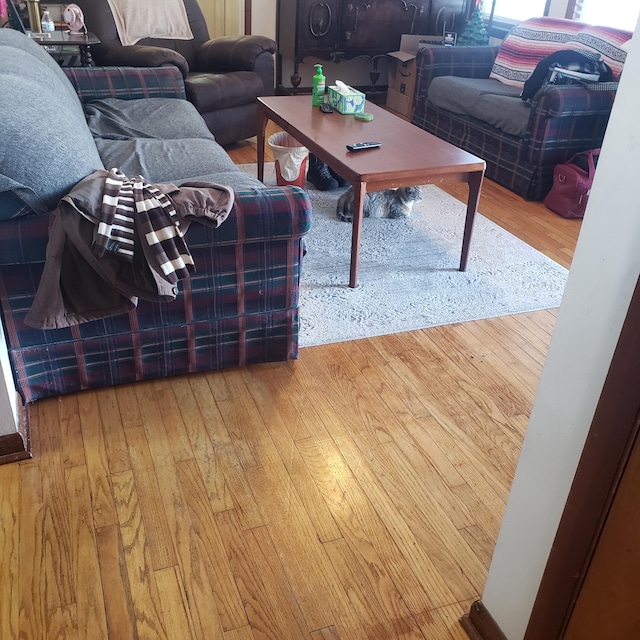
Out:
{"x": 126, "y": 83}
{"x": 563, "y": 121}
{"x": 239, "y": 307}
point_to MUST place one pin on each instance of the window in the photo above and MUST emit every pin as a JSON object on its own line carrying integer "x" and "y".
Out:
{"x": 621, "y": 14}
{"x": 514, "y": 10}
{"x": 500, "y": 16}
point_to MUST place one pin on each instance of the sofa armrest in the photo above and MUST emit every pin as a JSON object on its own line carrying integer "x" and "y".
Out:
{"x": 258, "y": 215}
{"x": 144, "y": 56}
{"x": 233, "y": 53}
{"x": 572, "y": 100}
{"x": 126, "y": 83}
{"x": 564, "y": 120}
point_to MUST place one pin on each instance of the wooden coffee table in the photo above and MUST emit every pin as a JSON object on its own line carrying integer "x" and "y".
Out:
{"x": 408, "y": 156}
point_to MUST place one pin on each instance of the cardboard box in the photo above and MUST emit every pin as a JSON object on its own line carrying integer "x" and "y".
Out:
{"x": 402, "y": 72}
{"x": 346, "y": 103}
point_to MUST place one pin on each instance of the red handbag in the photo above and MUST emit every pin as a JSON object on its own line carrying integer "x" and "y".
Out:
{"x": 572, "y": 184}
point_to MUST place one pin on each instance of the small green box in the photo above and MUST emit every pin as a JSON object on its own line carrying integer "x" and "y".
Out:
{"x": 346, "y": 103}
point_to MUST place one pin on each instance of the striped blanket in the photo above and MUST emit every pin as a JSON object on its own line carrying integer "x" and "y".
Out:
{"x": 131, "y": 206}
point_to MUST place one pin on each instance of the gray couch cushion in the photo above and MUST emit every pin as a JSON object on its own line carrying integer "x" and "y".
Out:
{"x": 457, "y": 94}
{"x": 487, "y": 100}
{"x": 506, "y": 113}
{"x": 163, "y": 140}
{"x": 169, "y": 160}
{"x": 46, "y": 144}
{"x": 164, "y": 118}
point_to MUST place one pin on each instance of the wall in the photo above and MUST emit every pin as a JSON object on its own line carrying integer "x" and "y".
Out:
{"x": 226, "y": 17}
{"x": 263, "y": 18}
{"x": 604, "y": 272}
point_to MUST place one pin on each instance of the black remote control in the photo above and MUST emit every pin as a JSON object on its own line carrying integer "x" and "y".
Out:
{"x": 325, "y": 107}
{"x": 361, "y": 146}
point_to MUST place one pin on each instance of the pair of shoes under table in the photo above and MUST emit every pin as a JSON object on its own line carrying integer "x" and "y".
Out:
{"x": 322, "y": 176}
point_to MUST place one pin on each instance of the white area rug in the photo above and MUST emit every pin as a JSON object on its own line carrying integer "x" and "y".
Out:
{"x": 408, "y": 277}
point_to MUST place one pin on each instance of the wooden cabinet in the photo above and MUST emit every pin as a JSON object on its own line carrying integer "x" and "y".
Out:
{"x": 345, "y": 29}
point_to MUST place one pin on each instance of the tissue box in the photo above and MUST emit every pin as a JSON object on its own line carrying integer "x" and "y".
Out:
{"x": 346, "y": 103}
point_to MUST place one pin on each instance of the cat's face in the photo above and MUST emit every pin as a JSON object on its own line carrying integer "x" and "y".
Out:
{"x": 410, "y": 194}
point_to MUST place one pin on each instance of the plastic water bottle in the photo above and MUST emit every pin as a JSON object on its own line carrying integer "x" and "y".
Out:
{"x": 47, "y": 23}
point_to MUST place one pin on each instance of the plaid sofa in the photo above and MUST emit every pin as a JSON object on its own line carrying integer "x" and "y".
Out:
{"x": 239, "y": 307}
{"x": 561, "y": 121}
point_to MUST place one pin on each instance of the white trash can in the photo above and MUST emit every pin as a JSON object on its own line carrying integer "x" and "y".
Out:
{"x": 290, "y": 159}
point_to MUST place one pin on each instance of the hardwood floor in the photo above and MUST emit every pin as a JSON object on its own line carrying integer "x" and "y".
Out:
{"x": 354, "y": 493}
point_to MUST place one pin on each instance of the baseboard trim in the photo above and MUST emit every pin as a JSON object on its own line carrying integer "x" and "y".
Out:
{"x": 16, "y": 446}
{"x": 480, "y": 625}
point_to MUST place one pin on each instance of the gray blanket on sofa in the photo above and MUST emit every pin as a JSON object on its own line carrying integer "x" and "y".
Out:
{"x": 161, "y": 139}
{"x": 485, "y": 99}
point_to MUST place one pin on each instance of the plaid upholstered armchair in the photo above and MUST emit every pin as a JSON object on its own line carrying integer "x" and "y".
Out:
{"x": 470, "y": 96}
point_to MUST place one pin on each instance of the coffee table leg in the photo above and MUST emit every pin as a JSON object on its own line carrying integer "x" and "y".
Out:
{"x": 262, "y": 127}
{"x": 359, "y": 191}
{"x": 475, "y": 184}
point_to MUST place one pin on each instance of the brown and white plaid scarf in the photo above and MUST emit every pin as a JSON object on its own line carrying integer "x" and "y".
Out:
{"x": 133, "y": 207}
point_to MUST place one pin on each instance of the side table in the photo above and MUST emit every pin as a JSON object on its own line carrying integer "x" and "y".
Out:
{"x": 61, "y": 39}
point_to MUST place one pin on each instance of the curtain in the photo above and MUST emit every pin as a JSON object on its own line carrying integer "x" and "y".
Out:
{"x": 223, "y": 17}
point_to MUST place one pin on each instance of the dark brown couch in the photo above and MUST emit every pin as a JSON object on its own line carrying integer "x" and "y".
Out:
{"x": 223, "y": 77}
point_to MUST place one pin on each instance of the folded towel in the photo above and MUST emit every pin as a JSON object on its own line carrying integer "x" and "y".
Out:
{"x": 138, "y": 19}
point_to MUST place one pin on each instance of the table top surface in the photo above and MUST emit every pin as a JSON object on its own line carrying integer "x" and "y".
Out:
{"x": 407, "y": 153}
{"x": 64, "y": 37}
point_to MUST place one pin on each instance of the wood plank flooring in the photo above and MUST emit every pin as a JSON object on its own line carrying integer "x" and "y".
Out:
{"x": 353, "y": 494}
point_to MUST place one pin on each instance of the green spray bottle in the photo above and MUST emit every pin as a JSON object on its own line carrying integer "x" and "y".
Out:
{"x": 319, "y": 81}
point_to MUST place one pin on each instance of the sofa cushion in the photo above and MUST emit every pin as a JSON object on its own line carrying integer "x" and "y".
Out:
{"x": 507, "y": 113}
{"x": 458, "y": 94}
{"x": 171, "y": 160}
{"x": 488, "y": 100}
{"x": 47, "y": 146}
{"x": 605, "y": 41}
{"x": 164, "y": 118}
{"x": 527, "y": 44}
